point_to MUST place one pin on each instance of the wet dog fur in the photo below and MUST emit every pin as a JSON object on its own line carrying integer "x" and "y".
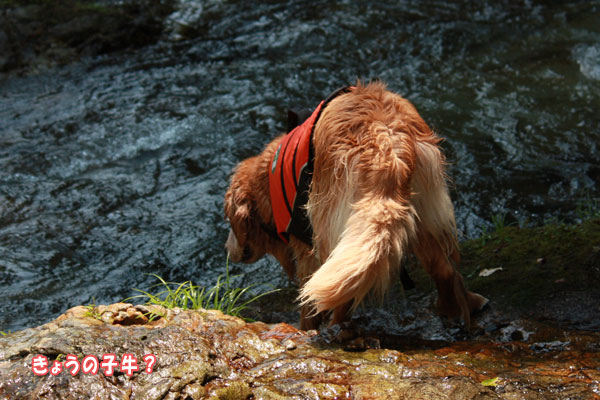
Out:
{"x": 378, "y": 192}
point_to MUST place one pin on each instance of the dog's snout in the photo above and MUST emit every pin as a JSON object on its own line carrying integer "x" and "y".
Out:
{"x": 236, "y": 252}
{"x": 246, "y": 254}
{"x": 233, "y": 248}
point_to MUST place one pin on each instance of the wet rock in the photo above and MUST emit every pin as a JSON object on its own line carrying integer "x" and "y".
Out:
{"x": 516, "y": 335}
{"x": 205, "y": 354}
{"x": 184, "y": 22}
{"x": 44, "y": 34}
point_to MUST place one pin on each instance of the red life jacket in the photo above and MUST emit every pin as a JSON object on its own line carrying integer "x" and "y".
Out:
{"x": 290, "y": 174}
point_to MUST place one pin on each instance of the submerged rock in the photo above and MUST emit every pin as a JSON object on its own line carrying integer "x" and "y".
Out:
{"x": 206, "y": 354}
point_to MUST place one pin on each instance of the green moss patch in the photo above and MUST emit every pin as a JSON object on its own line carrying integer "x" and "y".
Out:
{"x": 537, "y": 263}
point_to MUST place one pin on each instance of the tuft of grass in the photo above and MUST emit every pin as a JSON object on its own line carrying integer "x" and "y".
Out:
{"x": 499, "y": 230}
{"x": 554, "y": 221}
{"x": 588, "y": 207}
{"x": 500, "y": 225}
{"x": 92, "y": 310}
{"x": 499, "y": 221}
{"x": 188, "y": 296}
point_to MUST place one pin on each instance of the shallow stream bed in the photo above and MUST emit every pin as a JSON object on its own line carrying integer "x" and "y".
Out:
{"x": 115, "y": 166}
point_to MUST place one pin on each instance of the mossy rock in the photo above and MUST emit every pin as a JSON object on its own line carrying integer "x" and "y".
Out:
{"x": 550, "y": 272}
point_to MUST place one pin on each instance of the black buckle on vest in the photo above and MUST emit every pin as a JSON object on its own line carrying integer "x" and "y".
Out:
{"x": 297, "y": 118}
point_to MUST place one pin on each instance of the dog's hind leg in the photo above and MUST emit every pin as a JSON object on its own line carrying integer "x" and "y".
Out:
{"x": 436, "y": 245}
{"x": 454, "y": 300}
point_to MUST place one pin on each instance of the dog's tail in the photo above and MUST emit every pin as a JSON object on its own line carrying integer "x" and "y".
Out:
{"x": 371, "y": 223}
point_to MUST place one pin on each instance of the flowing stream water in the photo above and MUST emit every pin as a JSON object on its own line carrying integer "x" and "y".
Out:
{"x": 115, "y": 167}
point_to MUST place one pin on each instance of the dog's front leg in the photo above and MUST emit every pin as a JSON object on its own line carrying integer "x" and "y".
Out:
{"x": 285, "y": 256}
{"x": 306, "y": 264}
{"x": 341, "y": 314}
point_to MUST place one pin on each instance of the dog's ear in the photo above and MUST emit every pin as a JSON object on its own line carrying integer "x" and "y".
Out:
{"x": 292, "y": 121}
{"x": 241, "y": 222}
{"x": 296, "y": 118}
{"x": 238, "y": 209}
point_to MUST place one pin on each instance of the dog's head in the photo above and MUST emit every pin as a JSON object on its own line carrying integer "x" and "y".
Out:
{"x": 246, "y": 242}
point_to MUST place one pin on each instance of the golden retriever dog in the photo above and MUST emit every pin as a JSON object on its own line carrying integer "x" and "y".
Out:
{"x": 376, "y": 191}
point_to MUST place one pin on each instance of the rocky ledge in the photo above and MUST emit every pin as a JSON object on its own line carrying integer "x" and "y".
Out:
{"x": 206, "y": 354}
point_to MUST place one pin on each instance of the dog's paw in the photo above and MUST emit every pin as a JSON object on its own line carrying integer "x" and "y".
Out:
{"x": 362, "y": 344}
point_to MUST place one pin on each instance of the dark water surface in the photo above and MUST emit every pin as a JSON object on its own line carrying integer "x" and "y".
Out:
{"x": 116, "y": 166}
